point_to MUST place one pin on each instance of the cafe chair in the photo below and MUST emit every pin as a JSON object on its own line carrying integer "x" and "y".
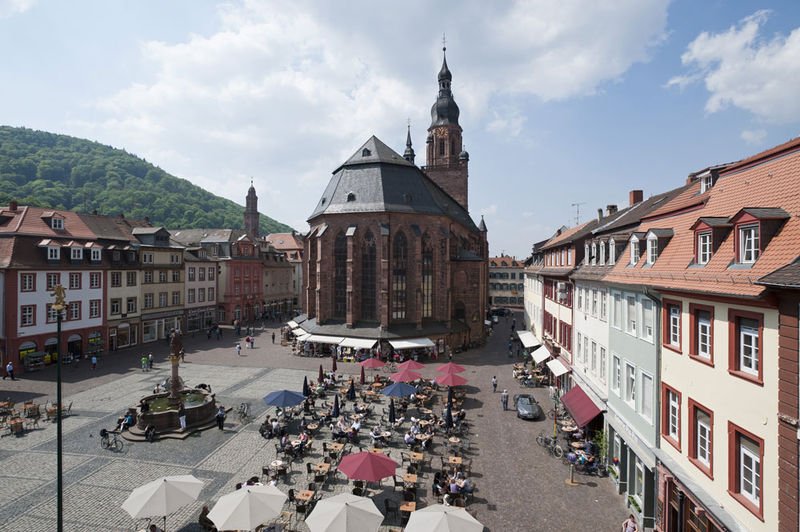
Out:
{"x": 390, "y": 507}
{"x": 398, "y": 483}
{"x": 266, "y": 473}
{"x": 409, "y": 494}
{"x": 309, "y": 469}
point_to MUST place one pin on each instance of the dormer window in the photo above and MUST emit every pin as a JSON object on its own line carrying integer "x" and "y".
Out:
{"x": 748, "y": 244}
{"x": 365, "y": 152}
{"x": 53, "y": 253}
{"x": 586, "y": 255}
{"x": 602, "y": 253}
{"x": 706, "y": 182}
{"x": 96, "y": 255}
{"x": 56, "y": 223}
{"x": 704, "y": 247}
{"x": 754, "y": 228}
{"x": 634, "y": 250}
{"x": 351, "y": 196}
{"x": 612, "y": 251}
{"x": 76, "y": 254}
{"x": 652, "y": 250}
{"x": 594, "y": 254}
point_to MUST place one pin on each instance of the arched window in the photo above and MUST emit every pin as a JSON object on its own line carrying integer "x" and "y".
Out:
{"x": 368, "y": 278}
{"x": 427, "y": 278}
{"x": 399, "y": 266}
{"x": 441, "y": 146}
{"x": 340, "y": 276}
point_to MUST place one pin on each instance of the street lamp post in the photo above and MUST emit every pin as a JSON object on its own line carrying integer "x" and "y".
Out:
{"x": 59, "y": 306}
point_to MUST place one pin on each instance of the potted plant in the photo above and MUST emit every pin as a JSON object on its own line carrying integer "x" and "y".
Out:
{"x": 633, "y": 503}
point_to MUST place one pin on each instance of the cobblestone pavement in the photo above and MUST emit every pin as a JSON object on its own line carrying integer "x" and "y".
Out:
{"x": 520, "y": 488}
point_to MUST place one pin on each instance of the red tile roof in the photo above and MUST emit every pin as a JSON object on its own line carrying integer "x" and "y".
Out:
{"x": 284, "y": 241}
{"x": 29, "y": 221}
{"x": 566, "y": 235}
{"x": 773, "y": 183}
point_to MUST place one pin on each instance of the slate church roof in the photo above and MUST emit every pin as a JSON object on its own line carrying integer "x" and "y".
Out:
{"x": 377, "y": 179}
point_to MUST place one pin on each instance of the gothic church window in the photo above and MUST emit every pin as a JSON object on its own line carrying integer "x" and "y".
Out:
{"x": 427, "y": 278}
{"x": 368, "y": 278}
{"x": 340, "y": 276}
{"x": 399, "y": 267}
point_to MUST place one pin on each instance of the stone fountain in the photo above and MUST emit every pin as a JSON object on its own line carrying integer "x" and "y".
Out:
{"x": 162, "y": 408}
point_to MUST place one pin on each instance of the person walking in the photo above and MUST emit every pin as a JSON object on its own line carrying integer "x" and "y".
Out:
{"x": 182, "y": 354}
{"x": 504, "y": 399}
{"x": 150, "y": 361}
{"x": 494, "y": 384}
{"x": 273, "y": 337}
{"x": 144, "y": 362}
{"x": 238, "y": 349}
{"x": 182, "y": 416}
{"x": 630, "y": 524}
{"x": 220, "y": 417}
{"x": 9, "y": 371}
{"x": 94, "y": 361}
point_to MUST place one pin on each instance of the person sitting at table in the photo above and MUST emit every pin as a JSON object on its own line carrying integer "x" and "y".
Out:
{"x": 360, "y": 409}
{"x": 460, "y": 416}
{"x": 275, "y": 428}
{"x": 284, "y": 442}
{"x": 454, "y": 487}
{"x": 409, "y": 439}
{"x": 206, "y": 524}
{"x": 414, "y": 427}
{"x": 356, "y": 426}
{"x": 304, "y": 438}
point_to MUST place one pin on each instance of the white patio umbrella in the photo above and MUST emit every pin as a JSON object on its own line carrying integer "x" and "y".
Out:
{"x": 162, "y": 497}
{"x": 247, "y": 507}
{"x": 345, "y": 513}
{"x": 440, "y": 518}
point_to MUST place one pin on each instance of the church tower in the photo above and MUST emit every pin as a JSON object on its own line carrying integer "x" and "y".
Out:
{"x": 446, "y": 161}
{"x": 251, "y": 216}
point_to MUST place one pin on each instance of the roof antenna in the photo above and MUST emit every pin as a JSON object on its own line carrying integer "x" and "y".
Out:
{"x": 578, "y": 211}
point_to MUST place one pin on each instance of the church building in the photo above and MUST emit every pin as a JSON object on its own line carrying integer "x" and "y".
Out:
{"x": 392, "y": 252}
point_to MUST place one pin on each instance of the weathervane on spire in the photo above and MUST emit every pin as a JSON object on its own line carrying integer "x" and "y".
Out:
{"x": 444, "y": 43}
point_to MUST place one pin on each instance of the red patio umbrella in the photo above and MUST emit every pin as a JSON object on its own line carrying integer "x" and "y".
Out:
{"x": 451, "y": 367}
{"x": 405, "y": 375}
{"x": 372, "y": 363}
{"x": 451, "y": 379}
{"x": 367, "y": 466}
{"x": 410, "y": 364}
{"x": 363, "y": 380}
{"x": 320, "y": 378}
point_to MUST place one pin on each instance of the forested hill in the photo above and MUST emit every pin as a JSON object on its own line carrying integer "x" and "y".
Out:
{"x": 48, "y": 170}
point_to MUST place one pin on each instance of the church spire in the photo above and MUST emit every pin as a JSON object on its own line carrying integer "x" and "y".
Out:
{"x": 251, "y": 216}
{"x": 409, "y": 155}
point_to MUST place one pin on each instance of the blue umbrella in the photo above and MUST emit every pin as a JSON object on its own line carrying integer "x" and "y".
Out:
{"x": 335, "y": 412}
{"x": 351, "y": 393}
{"x": 398, "y": 389}
{"x": 450, "y": 397}
{"x": 283, "y": 398}
{"x": 392, "y": 414}
{"x": 306, "y": 389}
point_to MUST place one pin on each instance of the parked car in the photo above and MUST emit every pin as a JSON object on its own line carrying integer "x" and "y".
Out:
{"x": 527, "y": 407}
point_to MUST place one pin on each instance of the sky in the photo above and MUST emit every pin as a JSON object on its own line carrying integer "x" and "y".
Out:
{"x": 566, "y": 106}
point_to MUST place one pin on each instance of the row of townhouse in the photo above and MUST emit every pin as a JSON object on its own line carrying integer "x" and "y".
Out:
{"x": 671, "y": 326}
{"x": 506, "y": 282}
{"x": 126, "y": 283}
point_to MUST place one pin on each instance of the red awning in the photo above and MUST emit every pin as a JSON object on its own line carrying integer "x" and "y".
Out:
{"x": 581, "y": 408}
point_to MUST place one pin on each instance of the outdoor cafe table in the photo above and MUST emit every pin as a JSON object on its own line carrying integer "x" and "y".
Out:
{"x": 454, "y": 440}
{"x": 375, "y": 450}
{"x": 296, "y": 443}
{"x": 421, "y": 397}
{"x": 426, "y": 411}
{"x": 410, "y": 478}
{"x": 416, "y": 457}
{"x": 17, "y": 426}
{"x": 277, "y": 464}
{"x": 305, "y": 495}
{"x": 424, "y": 422}
{"x": 423, "y": 437}
{"x": 409, "y": 506}
{"x": 335, "y": 447}
{"x": 377, "y": 385}
{"x": 313, "y": 426}
{"x": 386, "y": 434}
{"x": 454, "y": 460}
{"x": 322, "y": 468}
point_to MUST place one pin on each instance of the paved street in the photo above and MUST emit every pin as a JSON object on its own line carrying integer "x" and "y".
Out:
{"x": 520, "y": 488}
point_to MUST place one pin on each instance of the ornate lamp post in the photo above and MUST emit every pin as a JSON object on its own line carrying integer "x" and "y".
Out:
{"x": 59, "y": 306}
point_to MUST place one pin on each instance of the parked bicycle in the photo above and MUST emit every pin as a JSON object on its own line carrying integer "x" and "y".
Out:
{"x": 390, "y": 367}
{"x": 110, "y": 440}
{"x": 244, "y": 413}
{"x": 559, "y": 413}
{"x": 550, "y": 443}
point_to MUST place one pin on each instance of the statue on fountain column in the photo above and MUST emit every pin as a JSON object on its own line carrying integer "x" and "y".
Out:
{"x": 175, "y": 347}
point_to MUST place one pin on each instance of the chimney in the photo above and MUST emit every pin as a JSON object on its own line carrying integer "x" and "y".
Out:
{"x": 599, "y": 214}
{"x": 636, "y": 196}
{"x": 13, "y": 205}
{"x": 611, "y": 209}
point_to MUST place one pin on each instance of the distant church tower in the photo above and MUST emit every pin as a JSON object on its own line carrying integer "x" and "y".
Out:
{"x": 447, "y": 162}
{"x": 251, "y": 216}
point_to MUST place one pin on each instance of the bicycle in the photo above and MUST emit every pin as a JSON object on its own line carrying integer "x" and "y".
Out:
{"x": 110, "y": 440}
{"x": 550, "y": 443}
{"x": 244, "y": 413}
{"x": 390, "y": 367}
{"x": 560, "y": 413}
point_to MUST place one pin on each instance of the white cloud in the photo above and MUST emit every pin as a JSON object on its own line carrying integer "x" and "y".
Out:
{"x": 9, "y": 8}
{"x": 284, "y": 91}
{"x": 488, "y": 211}
{"x": 754, "y": 136}
{"x": 742, "y": 68}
